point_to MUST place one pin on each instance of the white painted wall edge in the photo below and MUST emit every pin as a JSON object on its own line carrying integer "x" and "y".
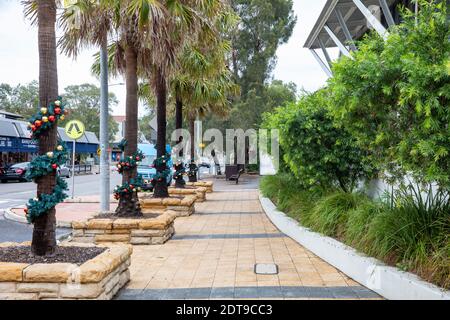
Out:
{"x": 389, "y": 282}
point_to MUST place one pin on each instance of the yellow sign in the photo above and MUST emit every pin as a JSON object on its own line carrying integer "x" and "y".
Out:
{"x": 99, "y": 152}
{"x": 74, "y": 129}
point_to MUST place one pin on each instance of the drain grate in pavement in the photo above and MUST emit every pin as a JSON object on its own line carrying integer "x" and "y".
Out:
{"x": 266, "y": 268}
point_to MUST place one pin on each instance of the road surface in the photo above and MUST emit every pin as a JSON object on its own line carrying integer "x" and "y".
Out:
{"x": 16, "y": 194}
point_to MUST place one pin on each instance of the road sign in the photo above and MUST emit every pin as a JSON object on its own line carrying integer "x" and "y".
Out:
{"x": 75, "y": 129}
{"x": 99, "y": 152}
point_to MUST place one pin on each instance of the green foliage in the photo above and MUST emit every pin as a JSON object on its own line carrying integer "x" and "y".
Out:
{"x": 84, "y": 101}
{"x": 41, "y": 166}
{"x": 129, "y": 187}
{"x": 413, "y": 235}
{"x": 130, "y": 162}
{"x": 317, "y": 152}
{"x": 264, "y": 26}
{"x": 394, "y": 96}
{"x": 21, "y": 99}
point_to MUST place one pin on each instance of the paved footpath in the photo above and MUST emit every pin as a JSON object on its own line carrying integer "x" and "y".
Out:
{"x": 214, "y": 251}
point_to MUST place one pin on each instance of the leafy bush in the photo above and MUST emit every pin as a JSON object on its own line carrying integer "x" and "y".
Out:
{"x": 317, "y": 152}
{"x": 412, "y": 235}
{"x": 394, "y": 96}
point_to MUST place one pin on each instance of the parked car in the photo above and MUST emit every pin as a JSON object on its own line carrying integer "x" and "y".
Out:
{"x": 15, "y": 172}
{"x": 146, "y": 170}
{"x": 64, "y": 171}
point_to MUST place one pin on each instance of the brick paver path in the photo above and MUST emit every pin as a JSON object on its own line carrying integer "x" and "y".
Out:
{"x": 214, "y": 252}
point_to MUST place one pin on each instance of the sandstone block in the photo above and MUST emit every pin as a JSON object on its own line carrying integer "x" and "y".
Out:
{"x": 112, "y": 238}
{"x": 103, "y": 224}
{"x": 37, "y": 287}
{"x": 53, "y": 272}
{"x": 10, "y": 271}
{"x": 80, "y": 291}
{"x": 125, "y": 224}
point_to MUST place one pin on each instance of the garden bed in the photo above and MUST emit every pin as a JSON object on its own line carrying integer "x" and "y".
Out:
{"x": 77, "y": 271}
{"x": 183, "y": 205}
{"x": 209, "y": 185}
{"x": 152, "y": 228}
{"x": 393, "y": 235}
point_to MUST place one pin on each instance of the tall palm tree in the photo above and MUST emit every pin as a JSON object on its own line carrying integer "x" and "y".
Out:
{"x": 44, "y": 239}
{"x": 166, "y": 37}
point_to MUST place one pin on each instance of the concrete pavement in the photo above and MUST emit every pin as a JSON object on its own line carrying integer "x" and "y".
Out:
{"x": 214, "y": 252}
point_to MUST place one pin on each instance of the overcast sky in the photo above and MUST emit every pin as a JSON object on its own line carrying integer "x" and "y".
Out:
{"x": 19, "y": 53}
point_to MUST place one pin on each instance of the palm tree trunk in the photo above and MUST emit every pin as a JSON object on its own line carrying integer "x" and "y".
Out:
{"x": 179, "y": 121}
{"x": 161, "y": 190}
{"x": 129, "y": 204}
{"x": 192, "y": 165}
{"x": 44, "y": 239}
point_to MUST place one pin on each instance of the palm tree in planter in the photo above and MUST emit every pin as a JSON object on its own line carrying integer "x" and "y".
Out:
{"x": 43, "y": 12}
{"x": 167, "y": 25}
{"x": 200, "y": 62}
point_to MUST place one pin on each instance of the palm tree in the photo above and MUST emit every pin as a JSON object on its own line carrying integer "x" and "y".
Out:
{"x": 167, "y": 35}
{"x": 44, "y": 239}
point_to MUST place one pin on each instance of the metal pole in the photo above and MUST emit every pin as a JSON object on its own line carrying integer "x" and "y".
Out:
{"x": 321, "y": 63}
{"x": 104, "y": 136}
{"x": 73, "y": 169}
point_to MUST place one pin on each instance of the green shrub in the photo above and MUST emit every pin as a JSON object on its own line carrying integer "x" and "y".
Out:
{"x": 330, "y": 214}
{"x": 318, "y": 153}
{"x": 394, "y": 95}
{"x": 412, "y": 234}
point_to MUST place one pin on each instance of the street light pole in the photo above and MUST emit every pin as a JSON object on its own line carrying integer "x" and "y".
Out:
{"x": 104, "y": 132}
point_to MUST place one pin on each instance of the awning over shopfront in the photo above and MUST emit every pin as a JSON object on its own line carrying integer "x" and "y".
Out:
{"x": 341, "y": 22}
{"x": 14, "y": 137}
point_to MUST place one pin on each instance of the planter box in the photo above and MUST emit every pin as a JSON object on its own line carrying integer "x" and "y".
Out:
{"x": 206, "y": 184}
{"x": 183, "y": 205}
{"x": 97, "y": 279}
{"x": 146, "y": 231}
{"x": 199, "y": 192}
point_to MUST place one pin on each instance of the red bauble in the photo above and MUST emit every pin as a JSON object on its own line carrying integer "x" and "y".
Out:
{"x": 25, "y": 210}
{"x": 54, "y": 166}
{"x": 57, "y": 110}
{"x": 128, "y": 164}
{"x": 51, "y": 118}
{"x": 126, "y": 190}
{"x": 33, "y": 127}
{"x": 38, "y": 123}
{"x": 131, "y": 186}
{"x": 137, "y": 158}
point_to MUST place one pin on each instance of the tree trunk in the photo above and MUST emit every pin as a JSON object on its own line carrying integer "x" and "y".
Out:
{"x": 192, "y": 165}
{"x": 160, "y": 190}
{"x": 179, "y": 121}
{"x": 129, "y": 204}
{"x": 44, "y": 239}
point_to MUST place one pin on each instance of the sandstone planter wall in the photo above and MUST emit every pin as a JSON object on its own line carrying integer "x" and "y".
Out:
{"x": 146, "y": 231}
{"x": 199, "y": 192}
{"x": 183, "y": 206}
{"x": 206, "y": 184}
{"x": 98, "y": 279}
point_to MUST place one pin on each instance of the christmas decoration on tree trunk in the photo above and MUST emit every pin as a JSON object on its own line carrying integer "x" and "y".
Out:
{"x": 48, "y": 163}
{"x": 129, "y": 189}
{"x": 162, "y": 171}
{"x": 180, "y": 172}
{"x": 192, "y": 173}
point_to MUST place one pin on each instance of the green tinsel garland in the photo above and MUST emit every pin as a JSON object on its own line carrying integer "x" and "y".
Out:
{"x": 134, "y": 185}
{"x": 128, "y": 163}
{"x": 40, "y": 167}
{"x": 193, "y": 169}
{"x": 159, "y": 163}
{"x": 180, "y": 170}
{"x": 40, "y": 205}
{"x": 46, "y": 118}
{"x": 48, "y": 163}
